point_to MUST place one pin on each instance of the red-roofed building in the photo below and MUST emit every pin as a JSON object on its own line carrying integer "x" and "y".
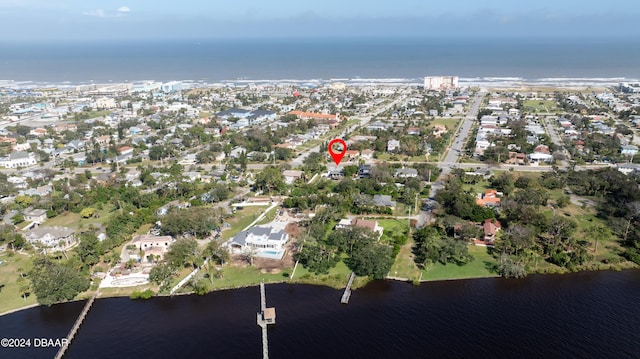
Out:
{"x": 125, "y": 150}
{"x": 490, "y": 227}
{"x": 352, "y": 154}
{"x": 490, "y": 198}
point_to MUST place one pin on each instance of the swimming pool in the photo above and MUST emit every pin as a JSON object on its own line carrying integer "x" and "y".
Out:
{"x": 271, "y": 254}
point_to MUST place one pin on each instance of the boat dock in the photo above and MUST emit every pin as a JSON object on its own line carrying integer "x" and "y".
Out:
{"x": 265, "y": 317}
{"x": 75, "y": 327}
{"x": 347, "y": 291}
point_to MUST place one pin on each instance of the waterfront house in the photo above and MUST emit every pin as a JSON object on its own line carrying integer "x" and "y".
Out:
{"x": 266, "y": 241}
{"x": 152, "y": 245}
{"x": 490, "y": 228}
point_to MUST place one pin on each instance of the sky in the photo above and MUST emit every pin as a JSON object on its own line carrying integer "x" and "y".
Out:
{"x": 45, "y": 20}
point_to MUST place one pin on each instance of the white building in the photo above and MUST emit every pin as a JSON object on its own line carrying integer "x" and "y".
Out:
{"x": 265, "y": 241}
{"x": 440, "y": 82}
{"x": 172, "y": 86}
{"x": 61, "y": 237}
{"x": 18, "y": 159}
{"x": 393, "y": 145}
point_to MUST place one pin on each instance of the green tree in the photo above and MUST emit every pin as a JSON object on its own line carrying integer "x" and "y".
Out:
{"x": 218, "y": 253}
{"x": 270, "y": 179}
{"x": 54, "y": 282}
{"x": 161, "y": 275}
{"x": 183, "y": 253}
{"x": 87, "y": 212}
{"x": 89, "y": 248}
{"x": 313, "y": 163}
{"x": 373, "y": 260}
{"x": 598, "y": 233}
{"x": 318, "y": 258}
{"x": 512, "y": 267}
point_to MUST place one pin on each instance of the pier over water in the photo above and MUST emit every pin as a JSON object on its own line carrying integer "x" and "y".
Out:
{"x": 265, "y": 317}
{"x": 75, "y": 327}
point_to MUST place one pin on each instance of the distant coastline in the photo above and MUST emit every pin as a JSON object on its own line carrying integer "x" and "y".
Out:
{"x": 212, "y": 61}
{"x": 486, "y": 82}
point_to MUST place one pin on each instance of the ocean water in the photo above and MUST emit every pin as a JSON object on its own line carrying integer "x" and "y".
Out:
{"x": 581, "y": 315}
{"x": 347, "y": 58}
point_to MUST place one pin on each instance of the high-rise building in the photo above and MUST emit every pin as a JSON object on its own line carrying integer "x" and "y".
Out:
{"x": 440, "y": 82}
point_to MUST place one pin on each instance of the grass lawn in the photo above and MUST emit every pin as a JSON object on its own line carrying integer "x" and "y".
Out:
{"x": 73, "y": 220}
{"x": 478, "y": 268}
{"x": 449, "y": 123}
{"x": 93, "y": 114}
{"x": 404, "y": 265}
{"x": 9, "y": 292}
{"x": 540, "y": 105}
{"x": 240, "y": 220}
{"x": 243, "y": 277}
{"x": 308, "y": 145}
{"x": 270, "y": 216}
{"x": 337, "y": 278}
{"x": 393, "y": 226}
{"x": 126, "y": 291}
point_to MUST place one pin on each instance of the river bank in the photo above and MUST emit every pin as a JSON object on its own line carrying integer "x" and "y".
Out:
{"x": 334, "y": 281}
{"x": 587, "y": 314}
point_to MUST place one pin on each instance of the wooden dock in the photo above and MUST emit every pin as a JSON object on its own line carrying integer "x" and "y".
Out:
{"x": 347, "y": 291}
{"x": 265, "y": 317}
{"x": 75, "y": 327}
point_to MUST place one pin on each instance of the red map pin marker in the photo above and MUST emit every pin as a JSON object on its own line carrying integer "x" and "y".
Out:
{"x": 337, "y": 156}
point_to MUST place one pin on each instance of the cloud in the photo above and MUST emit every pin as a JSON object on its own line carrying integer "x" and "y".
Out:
{"x": 97, "y": 12}
{"x": 123, "y": 9}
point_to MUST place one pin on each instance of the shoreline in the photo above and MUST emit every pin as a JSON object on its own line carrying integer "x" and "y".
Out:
{"x": 612, "y": 268}
{"x": 499, "y": 82}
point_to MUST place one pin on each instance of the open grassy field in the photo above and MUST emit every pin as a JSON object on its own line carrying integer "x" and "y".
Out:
{"x": 404, "y": 266}
{"x": 234, "y": 277}
{"x": 73, "y": 220}
{"x": 540, "y": 106}
{"x": 449, "y": 123}
{"x": 478, "y": 268}
{"x": 10, "y": 298}
{"x": 269, "y": 216}
{"x": 240, "y": 220}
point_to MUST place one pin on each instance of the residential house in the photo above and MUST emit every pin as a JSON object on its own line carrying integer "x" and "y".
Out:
{"x": 367, "y": 155}
{"x": 156, "y": 246}
{"x": 406, "y": 173}
{"x": 52, "y": 237}
{"x": 490, "y": 198}
{"x": 629, "y": 150}
{"x": 36, "y": 215}
{"x": 393, "y": 145}
{"x": 290, "y": 176}
{"x": 364, "y": 171}
{"x": 490, "y": 229}
{"x": 266, "y": 241}
{"x": 370, "y": 225}
{"x": 18, "y": 159}
{"x": 383, "y": 200}
{"x": 173, "y": 204}
{"x": 351, "y": 154}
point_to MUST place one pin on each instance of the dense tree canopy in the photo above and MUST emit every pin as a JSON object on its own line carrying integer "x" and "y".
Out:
{"x": 54, "y": 282}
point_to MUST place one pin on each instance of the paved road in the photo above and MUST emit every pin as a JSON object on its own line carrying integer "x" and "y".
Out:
{"x": 451, "y": 159}
{"x": 555, "y": 139}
